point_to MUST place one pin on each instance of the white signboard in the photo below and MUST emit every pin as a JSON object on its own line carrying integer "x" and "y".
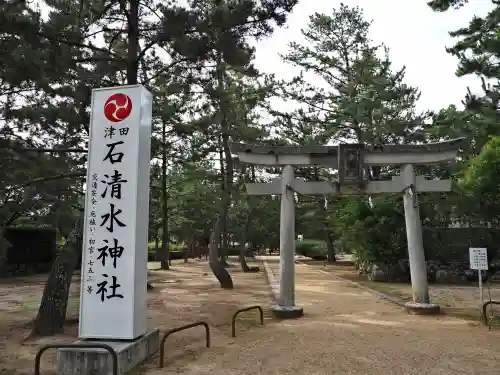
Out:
{"x": 478, "y": 258}
{"x": 114, "y": 261}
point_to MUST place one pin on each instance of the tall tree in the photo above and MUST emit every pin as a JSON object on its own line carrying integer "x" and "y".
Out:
{"x": 443, "y": 5}
{"x": 479, "y": 186}
{"x": 83, "y": 45}
{"x": 356, "y": 95}
{"x": 220, "y": 110}
{"x": 477, "y": 50}
{"x": 347, "y": 91}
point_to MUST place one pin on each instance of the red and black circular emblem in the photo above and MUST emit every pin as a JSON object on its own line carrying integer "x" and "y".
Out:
{"x": 118, "y": 107}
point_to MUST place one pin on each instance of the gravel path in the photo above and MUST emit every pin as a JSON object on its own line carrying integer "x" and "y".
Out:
{"x": 346, "y": 330}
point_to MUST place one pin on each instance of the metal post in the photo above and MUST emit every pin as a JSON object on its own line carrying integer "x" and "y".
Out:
{"x": 481, "y": 295}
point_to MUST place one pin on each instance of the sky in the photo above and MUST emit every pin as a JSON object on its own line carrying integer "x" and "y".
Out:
{"x": 416, "y": 36}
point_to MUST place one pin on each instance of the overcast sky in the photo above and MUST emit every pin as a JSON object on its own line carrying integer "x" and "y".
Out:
{"x": 416, "y": 36}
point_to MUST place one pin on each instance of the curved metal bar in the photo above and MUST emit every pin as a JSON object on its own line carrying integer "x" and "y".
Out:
{"x": 485, "y": 305}
{"x": 178, "y": 329}
{"x": 44, "y": 348}
{"x": 233, "y": 320}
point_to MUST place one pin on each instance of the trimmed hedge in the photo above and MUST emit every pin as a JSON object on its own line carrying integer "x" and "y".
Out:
{"x": 30, "y": 247}
{"x": 174, "y": 255}
{"x": 171, "y": 246}
{"x": 235, "y": 251}
{"x": 314, "y": 249}
{"x": 177, "y": 251}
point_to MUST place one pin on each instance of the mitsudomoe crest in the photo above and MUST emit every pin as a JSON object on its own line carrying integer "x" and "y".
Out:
{"x": 118, "y": 107}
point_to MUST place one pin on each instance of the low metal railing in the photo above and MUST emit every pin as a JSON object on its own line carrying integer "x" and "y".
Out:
{"x": 233, "y": 320}
{"x": 183, "y": 328}
{"x": 484, "y": 317}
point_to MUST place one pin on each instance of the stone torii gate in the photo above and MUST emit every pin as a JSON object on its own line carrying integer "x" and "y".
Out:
{"x": 352, "y": 161}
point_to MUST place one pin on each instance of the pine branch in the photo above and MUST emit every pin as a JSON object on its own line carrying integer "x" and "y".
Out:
{"x": 7, "y": 145}
{"x": 46, "y": 179}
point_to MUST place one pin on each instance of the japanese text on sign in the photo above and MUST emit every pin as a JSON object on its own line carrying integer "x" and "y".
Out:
{"x": 478, "y": 258}
{"x": 103, "y": 252}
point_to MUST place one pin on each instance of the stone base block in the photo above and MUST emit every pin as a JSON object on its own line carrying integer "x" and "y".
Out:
{"x": 287, "y": 312}
{"x": 94, "y": 361}
{"x": 422, "y": 308}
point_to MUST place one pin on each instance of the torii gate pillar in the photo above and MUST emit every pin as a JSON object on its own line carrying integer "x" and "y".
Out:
{"x": 416, "y": 256}
{"x": 285, "y": 307}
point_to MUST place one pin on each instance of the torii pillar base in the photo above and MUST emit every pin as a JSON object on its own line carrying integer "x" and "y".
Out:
{"x": 422, "y": 308}
{"x": 287, "y": 312}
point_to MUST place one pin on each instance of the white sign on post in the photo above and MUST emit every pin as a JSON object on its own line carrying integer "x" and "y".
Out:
{"x": 478, "y": 258}
{"x": 114, "y": 262}
{"x": 479, "y": 261}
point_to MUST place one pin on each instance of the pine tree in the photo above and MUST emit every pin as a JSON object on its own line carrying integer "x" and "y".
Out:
{"x": 360, "y": 97}
{"x": 87, "y": 44}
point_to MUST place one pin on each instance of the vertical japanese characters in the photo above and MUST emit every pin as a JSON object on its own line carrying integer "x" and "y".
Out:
{"x": 92, "y": 230}
{"x": 105, "y": 250}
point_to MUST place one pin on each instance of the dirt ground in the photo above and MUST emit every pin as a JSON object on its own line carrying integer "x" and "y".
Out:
{"x": 459, "y": 300}
{"x": 185, "y": 294}
{"x": 346, "y": 330}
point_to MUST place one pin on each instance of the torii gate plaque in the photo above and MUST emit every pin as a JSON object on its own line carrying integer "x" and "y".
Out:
{"x": 351, "y": 160}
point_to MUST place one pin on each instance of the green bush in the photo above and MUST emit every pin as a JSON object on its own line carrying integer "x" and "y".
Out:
{"x": 235, "y": 251}
{"x": 173, "y": 247}
{"x": 315, "y": 249}
{"x": 374, "y": 234}
{"x": 30, "y": 245}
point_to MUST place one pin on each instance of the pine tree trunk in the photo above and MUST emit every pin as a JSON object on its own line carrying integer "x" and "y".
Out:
{"x": 216, "y": 266}
{"x": 53, "y": 308}
{"x": 189, "y": 251}
{"x": 197, "y": 247}
{"x": 52, "y": 312}
{"x": 218, "y": 263}
{"x": 225, "y": 155}
{"x": 224, "y": 185}
{"x": 242, "y": 257}
{"x": 3, "y": 253}
{"x": 331, "y": 249}
{"x": 133, "y": 36}
{"x": 246, "y": 229}
{"x": 165, "y": 253}
{"x": 330, "y": 255}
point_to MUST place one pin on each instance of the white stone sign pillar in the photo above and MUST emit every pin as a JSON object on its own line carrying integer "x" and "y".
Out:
{"x": 114, "y": 261}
